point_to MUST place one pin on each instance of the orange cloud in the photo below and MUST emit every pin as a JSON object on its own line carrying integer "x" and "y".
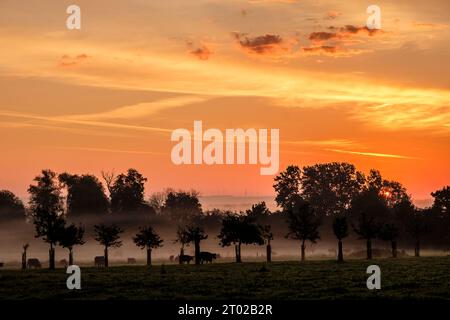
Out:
{"x": 266, "y": 44}
{"x": 68, "y": 61}
{"x": 203, "y": 53}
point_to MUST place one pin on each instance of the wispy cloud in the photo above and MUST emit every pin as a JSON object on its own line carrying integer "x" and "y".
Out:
{"x": 371, "y": 154}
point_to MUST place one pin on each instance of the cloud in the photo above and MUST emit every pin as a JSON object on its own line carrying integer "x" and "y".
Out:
{"x": 68, "y": 61}
{"x": 342, "y": 33}
{"x": 332, "y": 51}
{"x": 371, "y": 154}
{"x": 429, "y": 26}
{"x": 331, "y": 15}
{"x": 203, "y": 53}
{"x": 327, "y": 142}
{"x": 261, "y": 45}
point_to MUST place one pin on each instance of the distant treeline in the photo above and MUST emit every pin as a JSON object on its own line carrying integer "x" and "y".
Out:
{"x": 332, "y": 194}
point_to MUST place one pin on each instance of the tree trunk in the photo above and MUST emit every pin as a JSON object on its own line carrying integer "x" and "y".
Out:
{"x": 106, "y": 257}
{"x": 340, "y": 252}
{"x": 197, "y": 251}
{"x": 417, "y": 249}
{"x": 394, "y": 248}
{"x": 269, "y": 253}
{"x": 181, "y": 254}
{"x": 51, "y": 254}
{"x": 238, "y": 252}
{"x": 149, "y": 257}
{"x": 70, "y": 256}
{"x": 369, "y": 249}
{"x": 303, "y": 250}
{"x": 24, "y": 260}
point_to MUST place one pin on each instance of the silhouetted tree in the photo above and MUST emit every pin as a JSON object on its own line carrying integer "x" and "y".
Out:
{"x": 238, "y": 230}
{"x": 287, "y": 186}
{"x": 195, "y": 234}
{"x": 368, "y": 209}
{"x": 70, "y": 237}
{"x": 330, "y": 187}
{"x": 24, "y": 256}
{"x": 303, "y": 224}
{"x": 340, "y": 229}
{"x": 148, "y": 239}
{"x": 85, "y": 194}
{"x": 417, "y": 227}
{"x": 389, "y": 232}
{"x": 258, "y": 212}
{"x": 108, "y": 236}
{"x": 267, "y": 235}
{"x": 46, "y": 206}
{"x": 183, "y": 240}
{"x": 11, "y": 207}
{"x": 182, "y": 206}
{"x": 442, "y": 201}
{"x": 127, "y": 192}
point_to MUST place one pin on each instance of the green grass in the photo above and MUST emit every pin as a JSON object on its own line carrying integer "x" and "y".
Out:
{"x": 414, "y": 278}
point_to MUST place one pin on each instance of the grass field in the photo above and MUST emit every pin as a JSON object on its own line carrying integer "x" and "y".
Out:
{"x": 414, "y": 278}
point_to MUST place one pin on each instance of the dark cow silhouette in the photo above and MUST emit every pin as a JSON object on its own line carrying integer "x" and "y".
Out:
{"x": 185, "y": 258}
{"x": 131, "y": 261}
{"x": 206, "y": 256}
{"x": 34, "y": 263}
{"x": 99, "y": 261}
{"x": 1, "y": 264}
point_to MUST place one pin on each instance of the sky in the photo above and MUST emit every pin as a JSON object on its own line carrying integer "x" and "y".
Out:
{"x": 108, "y": 96}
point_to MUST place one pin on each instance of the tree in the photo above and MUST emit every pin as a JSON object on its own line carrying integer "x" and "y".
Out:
{"x": 330, "y": 187}
{"x": 11, "y": 207}
{"x": 108, "y": 236}
{"x": 258, "y": 212}
{"x": 368, "y": 209}
{"x": 389, "y": 232}
{"x": 183, "y": 239}
{"x": 237, "y": 230}
{"x": 148, "y": 239}
{"x": 340, "y": 229}
{"x": 127, "y": 192}
{"x": 287, "y": 186}
{"x": 70, "y": 237}
{"x": 442, "y": 200}
{"x": 417, "y": 227}
{"x": 195, "y": 234}
{"x": 182, "y": 206}
{"x": 85, "y": 194}
{"x": 24, "y": 256}
{"x": 46, "y": 206}
{"x": 267, "y": 235}
{"x": 303, "y": 223}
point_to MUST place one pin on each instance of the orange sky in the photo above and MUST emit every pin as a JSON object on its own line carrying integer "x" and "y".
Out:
{"x": 107, "y": 96}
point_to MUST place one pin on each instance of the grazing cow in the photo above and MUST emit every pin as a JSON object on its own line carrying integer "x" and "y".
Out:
{"x": 64, "y": 263}
{"x": 99, "y": 261}
{"x": 34, "y": 263}
{"x": 207, "y": 257}
{"x": 131, "y": 261}
{"x": 185, "y": 258}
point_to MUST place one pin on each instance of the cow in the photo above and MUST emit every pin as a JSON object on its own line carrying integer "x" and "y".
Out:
{"x": 34, "y": 263}
{"x": 64, "y": 263}
{"x": 207, "y": 257}
{"x": 131, "y": 261}
{"x": 99, "y": 261}
{"x": 185, "y": 258}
